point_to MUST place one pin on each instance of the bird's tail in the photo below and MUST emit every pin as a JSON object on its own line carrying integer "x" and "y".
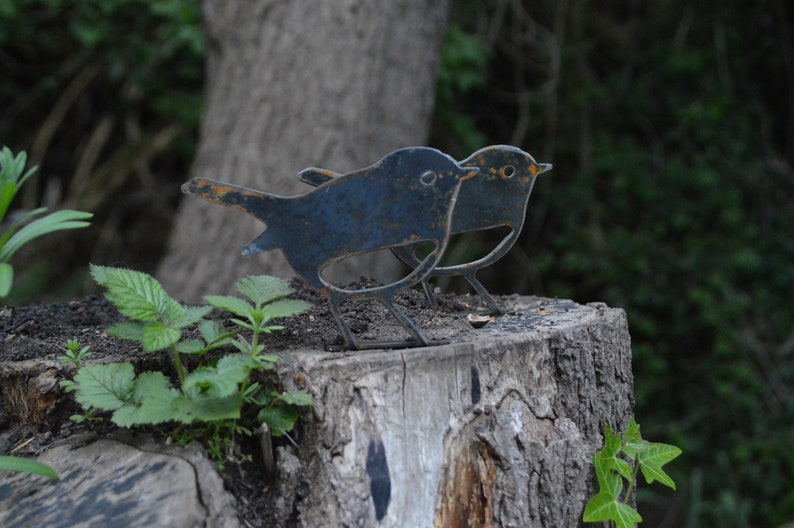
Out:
{"x": 257, "y": 203}
{"x": 260, "y": 204}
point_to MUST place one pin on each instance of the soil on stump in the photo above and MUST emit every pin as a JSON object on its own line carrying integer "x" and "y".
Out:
{"x": 32, "y": 421}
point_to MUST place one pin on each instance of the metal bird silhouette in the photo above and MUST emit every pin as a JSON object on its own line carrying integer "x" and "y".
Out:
{"x": 405, "y": 198}
{"x": 498, "y": 196}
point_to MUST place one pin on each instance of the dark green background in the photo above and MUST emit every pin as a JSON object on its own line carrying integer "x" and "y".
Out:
{"x": 671, "y": 131}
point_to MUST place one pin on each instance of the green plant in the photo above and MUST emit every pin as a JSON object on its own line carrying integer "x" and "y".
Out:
{"x": 613, "y": 464}
{"x": 12, "y": 463}
{"x": 216, "y": 393}
{"x": 74, "y": 353}
{"x": 18, "y": 233}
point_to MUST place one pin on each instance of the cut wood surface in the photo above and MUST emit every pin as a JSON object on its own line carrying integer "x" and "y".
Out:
{"x": 497, "y": 430}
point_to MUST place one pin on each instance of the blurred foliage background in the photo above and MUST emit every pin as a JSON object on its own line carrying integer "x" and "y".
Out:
{"x": 671, "y": 131}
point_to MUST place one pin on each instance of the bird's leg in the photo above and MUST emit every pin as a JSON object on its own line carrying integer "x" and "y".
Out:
{"x": 431, "y": 297}
{"x": 406, "y": 322}
{"x": 344, "y": 329}
{"x": 493, "y": 308}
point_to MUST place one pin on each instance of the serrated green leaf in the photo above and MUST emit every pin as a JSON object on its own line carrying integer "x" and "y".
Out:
{"x": 603, "y": 507}
{"x": 269, "y": 358}
{"x": 207, "y": 381}
{"x": 126, "y": 416}
{"x": 207, "y": 409}
{"x": 280, "y": 419}
{"x": 99, "y": 274}
{"x": 191, "y": 346}
{"x": 285, "y": 308}
{"x": 301, "y": 398}
{"x": 106, "y": 387}
{"x": 263, "y": 289}
{"x": 137, "y": 295}
{"x": 194, "y": 314}
{"x": 652, "y": 459}
{"x": 235, "y": 367}
{"x": 227, "y": 303}
{"x": 129, "y": 330}
{"x": 150, "y": 384}
{"x": 11, "y": 463}
{"x": 215, "y": 334}
{"x": 261, "y": 361}
{"x": 243, "y": 324}
{"x": 157, "y": 336}
{"x": 158, "y": 408}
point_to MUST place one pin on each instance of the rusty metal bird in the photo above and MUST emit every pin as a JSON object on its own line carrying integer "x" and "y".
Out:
{"x": 405, "y": 198}
{"x": 496, "y": 197}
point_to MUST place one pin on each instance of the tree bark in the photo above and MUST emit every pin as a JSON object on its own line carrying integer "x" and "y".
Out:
{"x": 492, "y": 431}
{"x": 291, "y": 85}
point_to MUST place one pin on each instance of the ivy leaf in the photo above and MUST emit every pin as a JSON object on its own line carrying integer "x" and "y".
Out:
{"x": 157, "y": 336}
{"x": 609, "y": 456}
{"x": 604, "y": 507}
{"x": 652, "y": 459}
{"x": 262, "y": 289}
{"x": 230, "y": 304}
{"x": 106, "y": 387}
{"x": 609, "y": 481}
{"x": 634, "y": 442}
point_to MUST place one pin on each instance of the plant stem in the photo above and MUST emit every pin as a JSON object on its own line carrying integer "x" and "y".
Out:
{"x": 632, "y": 482}
{"x": 180, "y": 371}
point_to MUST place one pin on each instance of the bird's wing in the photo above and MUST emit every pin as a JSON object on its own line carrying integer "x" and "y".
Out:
{"x": 316, "y": 177}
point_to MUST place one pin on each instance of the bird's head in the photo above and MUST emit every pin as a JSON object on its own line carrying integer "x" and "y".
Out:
{"x": 507, "y": 163}
{"x": 430, "y": 169}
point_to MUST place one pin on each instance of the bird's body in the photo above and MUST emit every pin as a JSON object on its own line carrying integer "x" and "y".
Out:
{"x": 496, "y": 197}
{"x": 405, "y": 198}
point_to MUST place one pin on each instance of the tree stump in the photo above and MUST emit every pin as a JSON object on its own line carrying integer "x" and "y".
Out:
{"x": 494, "y": 430}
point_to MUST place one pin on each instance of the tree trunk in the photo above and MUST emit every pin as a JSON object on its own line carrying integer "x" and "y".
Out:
{"x": 496, "y": 430}
{"x": 291, "y": 85}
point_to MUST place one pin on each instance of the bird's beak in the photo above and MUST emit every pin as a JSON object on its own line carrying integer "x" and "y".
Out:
{"x": 540, "y": 168}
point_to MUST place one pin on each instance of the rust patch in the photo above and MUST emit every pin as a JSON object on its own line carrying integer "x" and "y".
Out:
{"x": 466, "y": 498}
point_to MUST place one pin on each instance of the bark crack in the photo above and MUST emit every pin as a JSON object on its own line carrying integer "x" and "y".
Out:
{"x": 405, "y": 376}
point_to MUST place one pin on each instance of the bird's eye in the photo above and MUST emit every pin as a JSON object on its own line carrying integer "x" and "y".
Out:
{"x": 428, "y": 178}
{"x": 507, "y": 172}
